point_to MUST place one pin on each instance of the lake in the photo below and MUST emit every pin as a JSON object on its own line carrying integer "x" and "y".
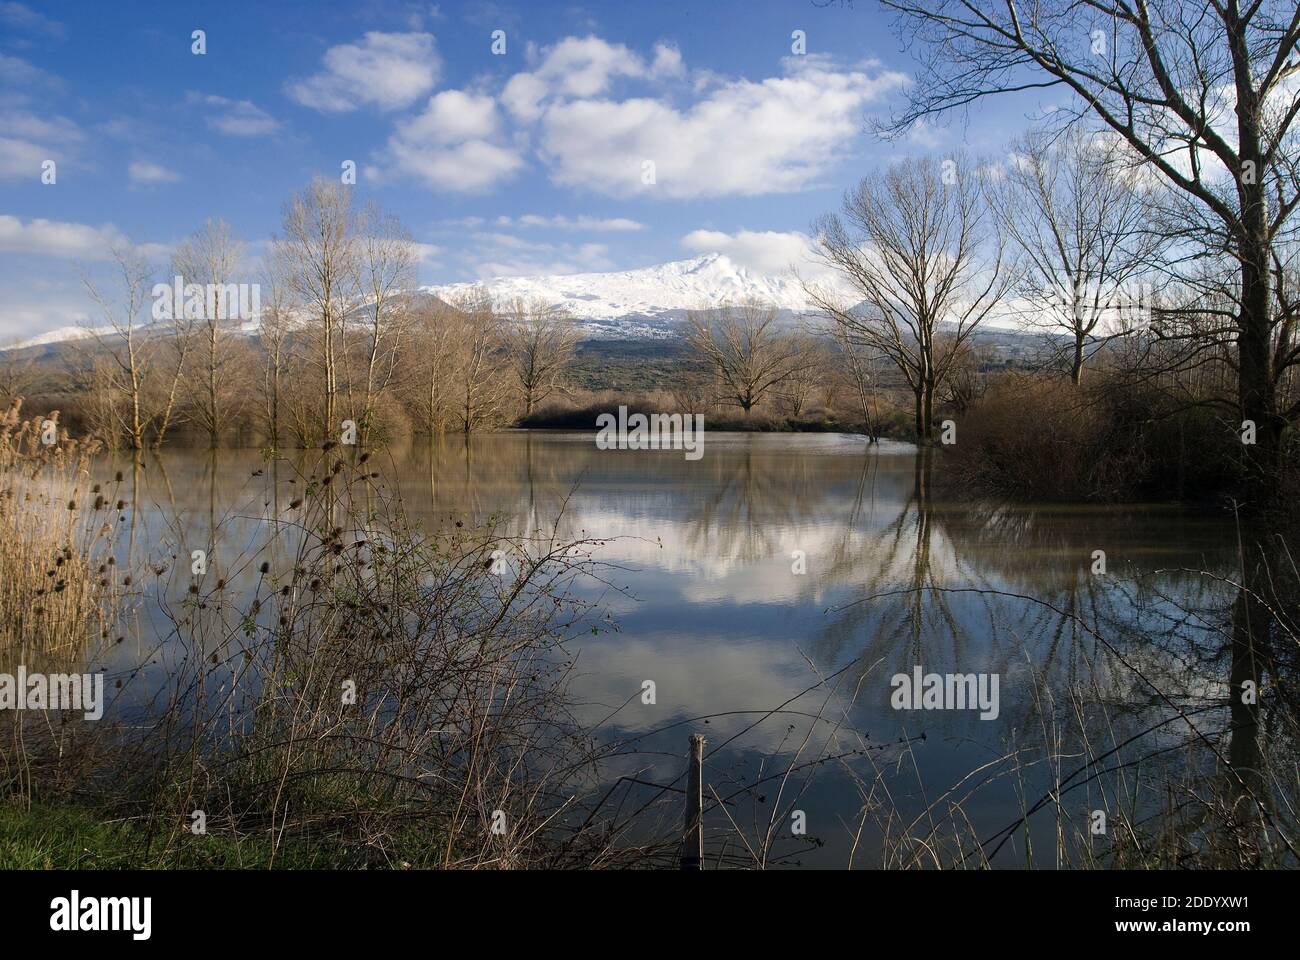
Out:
{"x": 738, "y": 581}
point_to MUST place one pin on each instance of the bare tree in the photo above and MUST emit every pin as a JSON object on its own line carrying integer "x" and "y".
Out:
{"x": 1077, "y": 220}
{"x": 916, "y": 244}
{"x": 121, "y": 339}
{"x": 1204, "y": 94}
{"x": 386, "y": 264}
{"x": 472, "y": 334}
{"x": 320, "y": 248}
{"x": 805, "y": 378}
{"x": 540, "y": 339}
{"x": 302, "y": 384}
{"x": 94, "y": 377}
{"x": 860, "y": 369}
{"x": 427, "y": 369}
{"x": 965, "y": 383}
{"x": 210, "y": 258}
{"x": 693, "y": 392}
{"x": 178, "y": 342}
{"x": 273, "y": 330}
{"x": 744, "y": 349}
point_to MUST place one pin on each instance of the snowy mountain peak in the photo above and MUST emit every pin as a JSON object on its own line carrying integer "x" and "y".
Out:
{"x": 61, "y": 335}
{"x": 647, "y": 298}
{"x": 701, "y": 263}
{"x": 648, "y": 302}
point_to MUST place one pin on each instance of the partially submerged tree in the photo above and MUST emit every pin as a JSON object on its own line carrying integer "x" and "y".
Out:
{"x": 319, "y": 249}
{"x": 209, "y": 257}
{"x": 427, "y": 369}
{"x": 386, "y": 266}
{"x": 177, "y": 344}
{"x": 126, "y": 374}
{"x": 917, "y": 247}
{"x": 481, "y": 381}
{"x": 273, "y": 329}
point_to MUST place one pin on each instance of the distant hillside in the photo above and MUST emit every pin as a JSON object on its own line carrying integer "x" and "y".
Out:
{"x": 631, "y": 320}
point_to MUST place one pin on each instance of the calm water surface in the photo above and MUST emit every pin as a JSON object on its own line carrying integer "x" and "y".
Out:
{"x": 713, "y": 609}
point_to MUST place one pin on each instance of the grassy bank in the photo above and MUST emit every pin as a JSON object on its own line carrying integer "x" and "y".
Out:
{"x": 66, "y": 837}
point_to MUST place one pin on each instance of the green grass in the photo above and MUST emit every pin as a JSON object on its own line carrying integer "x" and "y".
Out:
{"x": 70, "y": 838}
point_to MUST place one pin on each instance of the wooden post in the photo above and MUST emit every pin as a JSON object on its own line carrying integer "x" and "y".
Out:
{"x": 693, "y": 837}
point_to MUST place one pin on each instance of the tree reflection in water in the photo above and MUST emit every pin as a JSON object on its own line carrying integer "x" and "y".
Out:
{"x": 1120, "y": 691}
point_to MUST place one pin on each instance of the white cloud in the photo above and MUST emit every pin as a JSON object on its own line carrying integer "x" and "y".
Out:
{"x": 235, "y": 118}
{"x": 453, "y": 145}
{"x": 667, "y": 62}
{"x": 738, "y": 137}
{"x": 54, "y": 238}
{"x": 16, "y": 71}
{"x": 732, "y": 137}
{"x": 142, "y": 173}
{"x": 581, "y": 222}
{"x": 925, "y": 135}
{"x": 17, "y": 16}
{"x": 453, "y": 116}
{"x": 33, "y": 127}
{"x": 743, "y": 138}
{"x": 388, "y": 70}
{"x": 19, "y": 158}
{"x": 582, "y": 67}
{"x": 766, "y": 251}
{"x": 30, "y": 140}
{"x": 523, "y": 95}
{"x": 18, "y": 321}
{"x": 427, "y": 253}
{"x": 505, "y": 255}
{"x": 769, "y": 252}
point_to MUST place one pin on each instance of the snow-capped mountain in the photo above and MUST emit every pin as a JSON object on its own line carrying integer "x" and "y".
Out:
{"x": 649, "y": 302}
{"x": 645, "y": 302}
{"x": 61, "y": 335}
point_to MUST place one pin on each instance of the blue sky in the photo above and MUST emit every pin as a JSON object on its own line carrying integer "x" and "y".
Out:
{"x": 531, "y": 161}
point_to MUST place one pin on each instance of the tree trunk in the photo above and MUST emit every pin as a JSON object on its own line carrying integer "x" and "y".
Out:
{"x": 213, "y": 422}
{"x": 171, "y": 403}
{"x": 929, "y": 408}
{"x": 1255, "y": 387}
{"x": 1255, "y": 376}
{"x": 330, "y": 425}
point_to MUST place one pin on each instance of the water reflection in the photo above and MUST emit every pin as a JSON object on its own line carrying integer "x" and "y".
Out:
{"x": 779, "y": 559}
